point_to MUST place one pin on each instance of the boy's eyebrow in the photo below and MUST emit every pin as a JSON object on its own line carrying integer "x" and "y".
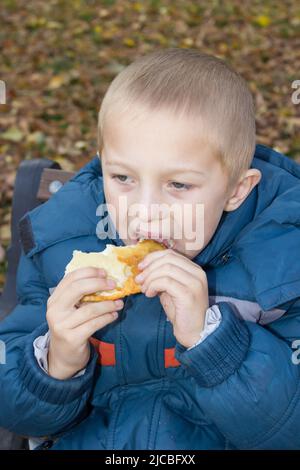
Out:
{"x": 121, "y": 163}
{"x": 175, "y": 170}
{"x": 187, "y": 170}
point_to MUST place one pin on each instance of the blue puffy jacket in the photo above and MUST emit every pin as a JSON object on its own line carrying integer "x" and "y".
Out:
{"x": 239, "y": 388}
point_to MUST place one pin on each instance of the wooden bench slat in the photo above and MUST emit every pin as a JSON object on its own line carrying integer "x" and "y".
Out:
{"x": 51, "y": 181}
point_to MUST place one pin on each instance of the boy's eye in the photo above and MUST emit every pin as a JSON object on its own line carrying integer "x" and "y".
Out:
{"x": 180, "y": 185}
{"x": 176, "y": 185}
{"x": 120, "y": 178}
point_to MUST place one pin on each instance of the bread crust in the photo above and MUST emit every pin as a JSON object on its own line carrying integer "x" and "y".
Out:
{"x": 130, "y": 255}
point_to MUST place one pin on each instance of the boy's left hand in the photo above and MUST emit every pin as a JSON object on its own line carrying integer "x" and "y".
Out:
{"x": 182, "y": 289}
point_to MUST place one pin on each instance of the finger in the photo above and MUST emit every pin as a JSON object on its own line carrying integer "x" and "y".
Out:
{"x": 166, "y": 284}
{"x": 174, "y": 272}
{"x": 93, "y": 310}
{"x": 80, "y": 287}
{"x": 155, "y": 255}
{"x": 173, "y": 261}
{"x": 178, "y": 258}
{"x": 88, "y": 328}
{"x": 83, "y": 287}
{"x": 80, "y": 273}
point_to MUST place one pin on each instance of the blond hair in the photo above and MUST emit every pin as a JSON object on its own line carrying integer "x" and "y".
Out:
{"x": 189, "y": 83}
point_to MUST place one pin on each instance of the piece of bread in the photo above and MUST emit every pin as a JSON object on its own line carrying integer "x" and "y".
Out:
{"x": 120, "y": 263}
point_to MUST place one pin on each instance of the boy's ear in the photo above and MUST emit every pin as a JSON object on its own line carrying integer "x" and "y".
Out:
{"x": 242, "y": 189}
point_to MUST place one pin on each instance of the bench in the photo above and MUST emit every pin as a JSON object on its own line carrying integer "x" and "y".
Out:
{"x": 36, "y": 181}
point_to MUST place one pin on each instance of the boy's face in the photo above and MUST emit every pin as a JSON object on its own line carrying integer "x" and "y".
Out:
{"x": 161, "y": 160}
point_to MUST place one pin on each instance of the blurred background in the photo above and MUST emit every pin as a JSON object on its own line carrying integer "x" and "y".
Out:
{"x": 58, "y": 57}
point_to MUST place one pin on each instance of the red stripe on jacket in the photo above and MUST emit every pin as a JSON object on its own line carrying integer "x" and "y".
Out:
{"x": 107, "y": 354}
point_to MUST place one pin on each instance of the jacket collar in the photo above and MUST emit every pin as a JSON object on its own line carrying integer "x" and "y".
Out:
{"x": 80, "y": 197}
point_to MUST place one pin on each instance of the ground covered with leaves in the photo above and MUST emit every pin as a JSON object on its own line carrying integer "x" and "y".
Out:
{"x": 58, "y": 57}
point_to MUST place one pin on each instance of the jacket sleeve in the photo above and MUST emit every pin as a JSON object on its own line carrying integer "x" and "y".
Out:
{"x": 33, "y": 403}
{"x": 41, "y": 349}
{"x": 247, "y": 379}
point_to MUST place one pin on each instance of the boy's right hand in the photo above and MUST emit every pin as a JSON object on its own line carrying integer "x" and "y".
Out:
{"x": 71, "y": 327}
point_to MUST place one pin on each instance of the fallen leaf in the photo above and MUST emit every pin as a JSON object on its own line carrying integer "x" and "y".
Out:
{"x": 57, "y": 81}
{"x": 13, "y": 134}
{"x": 129, "y": 42}
{"x": 5, "y": 232}
{"x": 263, "y": 20}
{"x": 2, "y": 254}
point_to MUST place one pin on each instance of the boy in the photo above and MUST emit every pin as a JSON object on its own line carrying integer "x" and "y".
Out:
{"x": 203, "y": 358}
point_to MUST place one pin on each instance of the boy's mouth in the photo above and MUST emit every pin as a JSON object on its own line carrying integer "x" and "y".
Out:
{"x": 168, "y": 243}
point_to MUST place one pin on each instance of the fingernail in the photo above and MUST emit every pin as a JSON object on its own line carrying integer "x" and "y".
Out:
{"x": 111, "y": 283}
{"x": 102, "y": 272}
{"x": 119, "y": 303}
{"x": 139, "y": 277}
{"x": 141, "y": 264}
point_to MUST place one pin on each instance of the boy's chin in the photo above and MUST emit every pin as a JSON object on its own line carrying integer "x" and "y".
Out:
{"x": 188, "y": 248}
